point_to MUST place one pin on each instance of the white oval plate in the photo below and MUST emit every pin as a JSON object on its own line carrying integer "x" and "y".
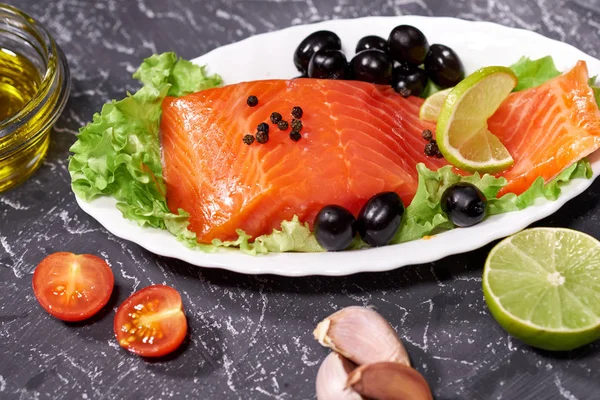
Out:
{"x": 269, "y": 56}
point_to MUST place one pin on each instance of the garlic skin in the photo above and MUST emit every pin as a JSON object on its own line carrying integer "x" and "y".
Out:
{"x": 361, "y": 335}
{"x": 332, "y": 378}
{"x": 389, "y": 381}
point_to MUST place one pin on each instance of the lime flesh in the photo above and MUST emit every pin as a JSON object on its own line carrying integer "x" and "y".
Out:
{"x": 431, "y": 107}
{"x": 462, "y": 133}
{"x": 542, "y": 285}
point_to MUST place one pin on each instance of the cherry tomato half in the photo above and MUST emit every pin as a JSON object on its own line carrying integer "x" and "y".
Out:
{"x": 72, "y": 287}
{"x": 151, "y": 322}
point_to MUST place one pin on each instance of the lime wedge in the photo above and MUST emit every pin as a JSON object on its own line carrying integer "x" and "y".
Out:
{"x": 542, "y": 285}
{"x": 462, "y": 133}
{"x": 431, "y": 107}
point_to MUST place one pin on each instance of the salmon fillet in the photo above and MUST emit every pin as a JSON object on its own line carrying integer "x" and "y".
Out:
{"x": 547, "y": 128}
{"x": 358, "y": 139}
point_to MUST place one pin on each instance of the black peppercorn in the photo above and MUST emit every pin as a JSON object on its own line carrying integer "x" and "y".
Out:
{"x": 282, "y": 125}
{"x": 295, "y": 136}
{"x": 275, "y": 117}
{"x": 429, "y": 150}
{"x": 296, "y": 125}
{"x": 297, "y": 112}
{"x": 432, "y": 149}
{"x": 248, "y": 139}
{"x": 263, "y": 126}
{"x": 427, "y": 135}
{"x": 262, "y": 137}
{"x": 252, "y": 101}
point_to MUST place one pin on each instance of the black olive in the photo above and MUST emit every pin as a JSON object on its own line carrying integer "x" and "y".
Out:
{"x": 372, "y": 42}
{"x": 464, "y": 204}
{"x": 328, "y": 64}
{"x": 443, "y": 66}
{"x": 406, "y": 77}
{"x": 380, "y": 218}
{"x": 372, "y": 66}
{"x": 320, "y": 40}
{"x": 407, "y": 44}
{"x": 334, "y": 228}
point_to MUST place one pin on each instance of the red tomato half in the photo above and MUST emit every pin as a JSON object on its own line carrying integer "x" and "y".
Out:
{"x": 151, "y": 322}
{"x": 72, "y": 287}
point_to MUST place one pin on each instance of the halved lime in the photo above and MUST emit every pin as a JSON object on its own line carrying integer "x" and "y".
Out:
{"x": 462, "y": 133}
{"x": 431, "y": 107}
{"x": 542, "y": 285}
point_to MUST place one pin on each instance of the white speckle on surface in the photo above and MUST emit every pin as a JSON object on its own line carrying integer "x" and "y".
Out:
{"x": 465, "y": 362}
{"x": 222, "y": 14}
{"x": 6, "y": 246}
{"x": 227, "y": 364}
{"x": 561, "y": 389}
{"x": 13, "y": 204}
{"x": 119, "y": 48}
{"x": 305, "y": 352}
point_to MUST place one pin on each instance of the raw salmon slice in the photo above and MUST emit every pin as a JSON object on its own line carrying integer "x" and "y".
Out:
{"x": 548, "y": 128}
{"x": 358, "y": 139}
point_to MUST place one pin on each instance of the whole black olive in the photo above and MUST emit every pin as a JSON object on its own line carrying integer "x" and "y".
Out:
{"x": 407, "y": 44}
{"x": 380, "y": 218}
{"x": 334, "y": 228}
{"x": 320, "y": 40}
{"x": 328, "y": 64}
{"x": 464, "y": 204}
{"x": 371, "y": 42}
{"x": 409, "y": 80}
{"x": 372, "y": 66}
{"x": 443, "y": 66}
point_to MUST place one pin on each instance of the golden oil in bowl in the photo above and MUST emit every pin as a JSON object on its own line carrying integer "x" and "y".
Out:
{"x": 19, "y": 82}
{"x": 34, "y": 88}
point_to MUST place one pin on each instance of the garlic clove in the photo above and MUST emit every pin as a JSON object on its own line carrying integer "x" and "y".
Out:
{"x": 332, "y": 378}
{"x": 361, "y": 335}
{"x": 389, "y": 381}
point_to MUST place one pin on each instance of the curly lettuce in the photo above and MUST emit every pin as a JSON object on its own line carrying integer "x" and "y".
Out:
{"x": 424, "y": 215}
{"x": 118, "y": 154}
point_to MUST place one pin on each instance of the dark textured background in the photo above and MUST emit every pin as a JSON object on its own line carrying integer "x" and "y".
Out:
{"x": 250, "y": 337}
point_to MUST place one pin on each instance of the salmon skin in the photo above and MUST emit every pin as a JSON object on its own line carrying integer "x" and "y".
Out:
{"x": 358, "y": 139}
{"x": 547, "y": 128}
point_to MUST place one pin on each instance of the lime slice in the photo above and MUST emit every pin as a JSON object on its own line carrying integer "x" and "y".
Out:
{"x": 431, "y": 107}
{"x": 462, "y": 133}
{"x": 543, "y": 287}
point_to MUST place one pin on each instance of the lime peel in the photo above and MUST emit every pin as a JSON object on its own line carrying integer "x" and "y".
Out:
{"x": 572, "y": 254}
{"x": 462, "y": 134}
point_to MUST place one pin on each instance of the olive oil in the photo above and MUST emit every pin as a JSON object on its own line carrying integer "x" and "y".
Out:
{"x": 19, "y": 82}
{"x": 34, "y": 88}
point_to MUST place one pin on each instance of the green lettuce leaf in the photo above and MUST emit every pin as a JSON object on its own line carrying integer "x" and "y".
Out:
{"x": 118, "y": 153}
{"x": 592, "y": 82}
{"x": 430, "y": 89}
{"x": 532, "y": 73}
{"x": 424, "y": 215}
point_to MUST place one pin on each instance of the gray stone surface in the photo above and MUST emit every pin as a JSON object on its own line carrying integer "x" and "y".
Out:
{"x": 251, "y": 337}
